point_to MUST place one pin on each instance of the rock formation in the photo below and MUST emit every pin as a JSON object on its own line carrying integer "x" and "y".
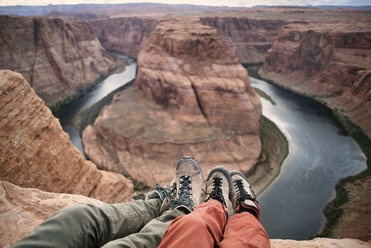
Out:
{"x": 329, "y": 61}
{"x": 35, "y": 152}
{"x": 58, "y": 58}
{"x": 124, "y": 34}
{"x": 250, "y": 39}
{"x": 22, "y": 210}
{"x": 192, "y": 97}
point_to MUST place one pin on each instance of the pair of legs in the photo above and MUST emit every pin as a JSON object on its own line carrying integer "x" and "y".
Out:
{"x": 208, "y": 224}
{"x": 143, "y": 223}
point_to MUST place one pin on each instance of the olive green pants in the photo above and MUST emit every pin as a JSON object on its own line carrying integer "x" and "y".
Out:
{"x": 132, "y": 224}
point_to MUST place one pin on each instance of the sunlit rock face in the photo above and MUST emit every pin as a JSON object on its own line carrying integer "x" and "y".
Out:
{"x": 191, "y": 97}
{"x": 35, "y": 152}
{"x": 329, "y": 61}
{"x": 58, "y": 58}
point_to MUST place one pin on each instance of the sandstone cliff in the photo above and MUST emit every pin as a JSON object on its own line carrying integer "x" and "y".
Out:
{"x": 329, "y": 61}
{"x": 35, "y": 152}
{"x": 58, "y": 58}
{"x": 192, "y": 97}
{"x": 124, "y": 34}
{"x": 21, "y": 210}
{"x": 250, "y": 39}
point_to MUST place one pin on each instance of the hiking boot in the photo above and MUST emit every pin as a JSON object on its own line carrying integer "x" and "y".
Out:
{"x": 190, "y": 182}
{"x": 242, "y": 196}
{"x": 218, "y": 185}
{"x": 165, "y": 194}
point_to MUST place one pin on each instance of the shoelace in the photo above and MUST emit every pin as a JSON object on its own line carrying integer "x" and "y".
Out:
{"x": 167, "y": 192}
{"x": 184, "y": 193}
{"x": 217, "y": 192}
{"x": 242, "y": 194}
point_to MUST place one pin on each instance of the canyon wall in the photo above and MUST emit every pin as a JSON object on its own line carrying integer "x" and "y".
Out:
{"x": 331, "y": 62}
{"x": 191, "y": 97}
{"x": 124, "y": 34}
{"x": 58, "y": 58}
{"x": 36, "y": 153}
{"x": 250, "y": 39}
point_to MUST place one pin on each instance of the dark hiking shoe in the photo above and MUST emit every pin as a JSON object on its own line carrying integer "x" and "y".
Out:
{"x": 190, "y": 183}
{"x": 218, "y": 185}
{"x": 165, "y": 194}
{"x": 242, "y": 196}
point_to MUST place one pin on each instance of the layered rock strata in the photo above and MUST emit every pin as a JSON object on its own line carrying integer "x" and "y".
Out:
{"x": 124, "y": 34}
{"x": 35, "y": 152}
{"x": 250, "y": 39}
{"x": 58, "y": 58}
{"x": 191, "y": 97}
{"x": 331, "y": 62}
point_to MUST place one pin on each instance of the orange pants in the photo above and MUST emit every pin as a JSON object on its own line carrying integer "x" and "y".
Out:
{"x": 207, "y": 226}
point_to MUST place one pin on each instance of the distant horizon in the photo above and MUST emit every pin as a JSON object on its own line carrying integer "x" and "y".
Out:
{"x": 214, "y": 3}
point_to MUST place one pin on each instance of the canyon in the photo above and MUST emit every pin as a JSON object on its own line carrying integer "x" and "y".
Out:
{"x": 191, "y": 96}
{"x": 321, "y": 53}
{"x": 58, "y": 58}
{"x": 36, "y": 153}
{"x": 331, "y": 62}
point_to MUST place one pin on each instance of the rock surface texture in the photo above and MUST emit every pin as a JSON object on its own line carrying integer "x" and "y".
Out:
{"x": 124, "y": 34}
{"x": 23, "y": 209}
{"x": 58, "y": 58}
{"x": 191, "y": 97}
{"x": 329, "y": 61}
{"x": 35, "y": 152}
{"x": 250, "y": 39}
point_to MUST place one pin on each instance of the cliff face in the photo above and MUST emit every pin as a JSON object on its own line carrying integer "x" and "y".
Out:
{"x": 250, "y": 39}
{"x": 192, "y": 97}
{"x": 35, "y": 152}
{"x": 330, "y": 61}
{"x": 124, "y": 34}
{"x": 58, "y": 58}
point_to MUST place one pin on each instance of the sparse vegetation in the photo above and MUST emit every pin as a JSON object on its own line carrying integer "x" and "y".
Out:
{"x": 274, "y": 151}
{"x": 264, "y": 95}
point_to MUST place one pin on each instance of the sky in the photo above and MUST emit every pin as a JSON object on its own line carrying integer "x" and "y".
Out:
{"x": 231, "y": 3}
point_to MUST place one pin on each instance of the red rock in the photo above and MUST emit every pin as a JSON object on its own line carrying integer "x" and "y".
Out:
{"x": 192, "y": 97}
{"x": 330, "y": 61}
{"x": 35, "y": 152}
{"x": 58, "y": 58}
{"x": 124, "y": 34}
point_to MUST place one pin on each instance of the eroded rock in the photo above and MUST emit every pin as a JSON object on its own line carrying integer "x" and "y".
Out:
{"x": 35, "y": 152}
{"x": 191, "y": 97}
{"x": 58, "y": 58}
{"x": 329, "y": 61}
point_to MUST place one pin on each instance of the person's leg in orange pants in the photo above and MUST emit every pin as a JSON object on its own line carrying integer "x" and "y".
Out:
{"x": 244, "y": 230}
{"x": 201, "y": 228}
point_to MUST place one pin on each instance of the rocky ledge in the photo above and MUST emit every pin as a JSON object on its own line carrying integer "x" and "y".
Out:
{"x": 23, "y": 209}
{"x": 58, "y": 58}
{"x": 331, "y": 62}
{"x": 191, "y": 97}
{"x": 36, "y": 153}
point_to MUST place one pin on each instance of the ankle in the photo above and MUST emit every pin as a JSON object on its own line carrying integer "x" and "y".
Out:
{"x": 255, "y": 211}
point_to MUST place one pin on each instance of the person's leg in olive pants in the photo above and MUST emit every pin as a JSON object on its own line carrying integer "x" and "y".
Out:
{"x": 150, "y": 235}
{"x": 93, "y": 226}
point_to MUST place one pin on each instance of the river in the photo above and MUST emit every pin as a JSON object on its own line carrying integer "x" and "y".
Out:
{"x": 320, "y": 155}
{"x": 96, "y": 93}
